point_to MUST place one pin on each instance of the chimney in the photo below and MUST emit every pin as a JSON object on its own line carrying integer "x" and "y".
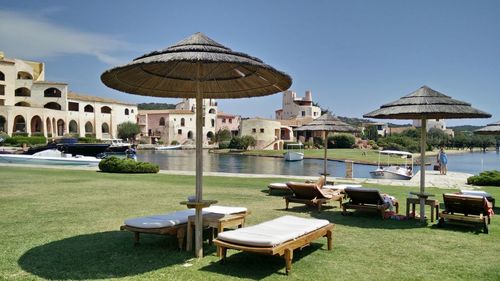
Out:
{"x": 308, "y": 96}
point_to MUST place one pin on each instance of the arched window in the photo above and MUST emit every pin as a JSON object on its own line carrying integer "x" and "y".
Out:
{"x": 89, "y": 128}
{"x": 126, "y": 111}
{"x": 36, "y": 124}
{"x": 23, "y": 92}
{"x": 53, "y": 105}
{"x": 105, "y": 109}
{"x": 60, "y": 128}
{"x": 162, "y": 121}
{"x": 73, "y": 127}
{"x": 88, "y": 108}
{"x": 210, "y": 135}
{"x": 213, "y": 122}
{"x": 183, "y": 122}
{"x": 22, "y": 103}
{"x": 212, "y": 111}
{"x": 19, "y": 124}
{"x": 52, "y": 93}
{"x": 105, "y": 128}
{"x": 2, "y": 76}
{"x": 131, "y": 111}
{"x": 190, "y": 135}
{"x": 24, "y": 75}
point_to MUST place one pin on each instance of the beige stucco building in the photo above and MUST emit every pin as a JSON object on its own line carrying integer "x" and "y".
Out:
{"x": 267, "y": 132}
{"x": 29, "y": 104}
{"x": 293, "y": 107}
{"x": 179, "y": 124}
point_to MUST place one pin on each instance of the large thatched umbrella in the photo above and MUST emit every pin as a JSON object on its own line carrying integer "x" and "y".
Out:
{"x": 426, "y": 103}
{"x": 490, "y": 129}
{"x": 197, "y": 67}
{"x": 327, "y": 123}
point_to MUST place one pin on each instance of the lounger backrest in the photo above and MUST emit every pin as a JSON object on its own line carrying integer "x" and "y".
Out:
{"x": 306, "y": 190}
{"x": 464, "y": 204}
{"x": 358, "y": 195}
{"x": 320, "y": 182}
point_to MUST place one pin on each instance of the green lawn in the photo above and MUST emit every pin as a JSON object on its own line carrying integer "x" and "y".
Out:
{"x": 63, "y": 225}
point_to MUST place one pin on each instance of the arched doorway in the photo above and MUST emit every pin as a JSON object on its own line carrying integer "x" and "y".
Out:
{"x": 54, "y": 127}
{"x": 73, "y": 127}
{"x": 190, "y": 135}
{"x": 89, "y": 128}
{"x": 2, "y": 124}
{"x": 36, "y": 125}
{"x": 60, "y": 127}
{"x": 105, "y": 130}
{"x": 19, "y": 124}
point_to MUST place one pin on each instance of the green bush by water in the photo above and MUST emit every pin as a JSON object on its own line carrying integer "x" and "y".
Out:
{"x": 487, "y": 178}
{"x": 18, "y": 140}
{"x": 118, "y": 165}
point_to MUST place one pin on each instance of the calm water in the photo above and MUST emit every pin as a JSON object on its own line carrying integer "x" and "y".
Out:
{"x": 184, "y": 160}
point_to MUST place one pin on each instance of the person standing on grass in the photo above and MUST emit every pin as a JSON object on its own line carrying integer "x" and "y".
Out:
{"x": 443, "y": 161}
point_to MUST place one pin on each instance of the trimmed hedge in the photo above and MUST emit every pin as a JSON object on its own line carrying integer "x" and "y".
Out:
{"x": 18, "y": 140}
{"x": 119, "y": 165}
{"x": 487, "y": 178}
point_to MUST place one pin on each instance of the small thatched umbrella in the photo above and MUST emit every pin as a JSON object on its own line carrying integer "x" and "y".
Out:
{"x": 490, "y": 129}
{"x": 426, "y": 103}
{"x": 327, "y": 123}
{"x": 197, "y": 67}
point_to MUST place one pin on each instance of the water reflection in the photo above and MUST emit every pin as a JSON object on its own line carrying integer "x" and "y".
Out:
{"x": 184, "y": 160}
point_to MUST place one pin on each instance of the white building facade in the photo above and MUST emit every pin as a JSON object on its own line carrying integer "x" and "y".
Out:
{"x": 293, "y": 107}
{"x": 32, "y": 106}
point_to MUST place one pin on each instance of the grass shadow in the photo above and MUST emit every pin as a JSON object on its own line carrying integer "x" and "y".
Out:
{"x": 460, "y": 227}
{"x": 256, "y": 266}
{"x": 101, "y": 255}
{"x": 367, "y": 219}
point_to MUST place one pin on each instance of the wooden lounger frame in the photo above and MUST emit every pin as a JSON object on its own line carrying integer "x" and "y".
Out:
{"x": 285, "y": 249}
{"x": 465, "y": 208}
{"x": 177, "y": 230}
{"x": 379, "y": 208}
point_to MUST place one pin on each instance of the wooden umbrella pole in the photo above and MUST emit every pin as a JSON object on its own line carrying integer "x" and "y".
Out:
{"x": 199, "y": 171}
{"x": 423, "y": 144}
{"x": 325, "y": 134}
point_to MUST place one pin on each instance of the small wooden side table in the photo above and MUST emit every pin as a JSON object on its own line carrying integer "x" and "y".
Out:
{"x": 430, "y": 202}
{"x": 217, "y": 222}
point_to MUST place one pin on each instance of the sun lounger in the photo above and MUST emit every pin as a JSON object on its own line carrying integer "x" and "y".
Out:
{"x": 466, "y": 208}
{"x": 279, "y": 237}
{"x": 174, "y": 223}
{"x": 368, "y": 199}
{"x": 479, "y": 193}
{"x": 311, "y": 194}
{"x": 281, "y": 186}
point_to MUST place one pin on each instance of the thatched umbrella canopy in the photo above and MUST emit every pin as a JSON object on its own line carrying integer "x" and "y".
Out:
{"x": 327, "y": 123}
{"x": 490, "y": 129}
{"x": 426, "y": 103}
{"x": 197, "y": 67}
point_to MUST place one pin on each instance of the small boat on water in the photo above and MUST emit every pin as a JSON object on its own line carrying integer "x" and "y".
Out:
{"x": 395, "y": 172}
{"x": 116, "y": 145}
{"x": 169, "y": 147}
{"x": 50, "y": 157}
{"x": 295, "y": 152}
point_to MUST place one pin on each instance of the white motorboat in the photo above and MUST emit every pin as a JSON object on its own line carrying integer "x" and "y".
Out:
{"x": 295, "y": 152}
{"x": 395, "y": 172}
{"x": 169, "y": 147}
{"x": 49, "y": 157}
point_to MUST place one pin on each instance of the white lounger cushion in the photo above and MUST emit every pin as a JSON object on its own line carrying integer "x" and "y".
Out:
{"x": 179, "y": 217}
{"x": 272, "y": 233}
{"x": 475, "y": 192}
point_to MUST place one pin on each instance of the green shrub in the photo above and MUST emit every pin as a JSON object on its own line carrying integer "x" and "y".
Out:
{"x": 3, "y": 136}
{"x": 119, "y": 165}
{"x": 18, "y": 140}
{"x": 242, "y": 142}
{"x": 341, "y": 141}
{"x": 318, "y": 142}
{"x": 174, "y": 142}
{"x": 88, "y": 140}
{"x": 224, "y": 144}
{"x": 20, "y": 134}
{"x": 487, "y": 178}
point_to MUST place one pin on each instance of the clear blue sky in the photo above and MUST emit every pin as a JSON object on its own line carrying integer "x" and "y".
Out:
{"x": 353, "y": 55}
